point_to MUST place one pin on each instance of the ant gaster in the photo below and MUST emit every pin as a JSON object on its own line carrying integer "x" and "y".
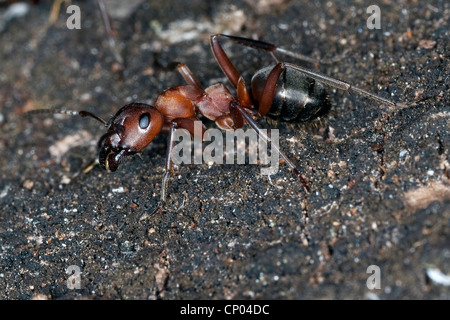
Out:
{"x": 286, "y": 92}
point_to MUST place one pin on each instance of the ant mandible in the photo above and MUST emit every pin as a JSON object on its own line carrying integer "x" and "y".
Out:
{"x": 299, "y": 97}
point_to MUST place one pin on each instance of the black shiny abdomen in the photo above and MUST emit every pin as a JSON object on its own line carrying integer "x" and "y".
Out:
{"x": 298, "y": 98}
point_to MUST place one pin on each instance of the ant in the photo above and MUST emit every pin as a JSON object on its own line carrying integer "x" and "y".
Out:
{"x": 285, "y": 92}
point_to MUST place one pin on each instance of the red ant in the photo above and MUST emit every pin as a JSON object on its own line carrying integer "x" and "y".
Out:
{"x": 286, "y": 92}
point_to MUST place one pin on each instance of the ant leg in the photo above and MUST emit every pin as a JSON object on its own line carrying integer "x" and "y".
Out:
{"x": 109, "y": 31}
{"x": 168, "y": 168}
{"x": 271, "y": 48}
{"x": 224, "y": 62}
{"x": 340, "y": 84}
{"x": 268, "y": 94}
{"x": 336, "y": 83}
{"x": 230, "y": 71}
{"x": 268, "y": 140}
{"x": 242, "y": 92}
{"x": 168, "y": 163}
{"x": 271, "y": 82}
{"x": 188, "y": 124}
{"x": 244, "y": 97}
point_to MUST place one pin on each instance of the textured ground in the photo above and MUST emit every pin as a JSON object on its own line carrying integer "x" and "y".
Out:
{"x": 380, "y": 176}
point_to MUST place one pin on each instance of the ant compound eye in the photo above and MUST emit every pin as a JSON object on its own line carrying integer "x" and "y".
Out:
{"x": 144, "y": 121}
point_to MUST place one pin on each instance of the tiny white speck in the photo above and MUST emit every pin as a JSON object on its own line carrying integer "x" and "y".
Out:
{"x": 372, "y": 296}
{"x": 118, "y": 190}
{"x": 403, "y": 153}
{"x": 16, "y": 10}
{"x": 438, "y": 277}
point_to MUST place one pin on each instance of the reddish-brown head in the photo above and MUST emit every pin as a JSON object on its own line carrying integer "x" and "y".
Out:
{"x": 132, "y": 128}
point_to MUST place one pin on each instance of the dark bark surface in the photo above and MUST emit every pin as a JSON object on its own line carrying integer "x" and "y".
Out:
{"x": 379, "y": 175}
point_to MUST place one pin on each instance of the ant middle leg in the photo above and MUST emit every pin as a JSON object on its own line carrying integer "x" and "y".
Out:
{"x": 263, "y": 135}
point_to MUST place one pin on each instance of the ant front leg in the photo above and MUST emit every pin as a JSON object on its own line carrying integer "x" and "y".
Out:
{"x": 179, "y": 123}
{"x": 168, "y": 168}
{"x": 168, "y": 165}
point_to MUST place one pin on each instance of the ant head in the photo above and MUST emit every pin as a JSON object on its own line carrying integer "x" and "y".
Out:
{"x": 132, "y": 128}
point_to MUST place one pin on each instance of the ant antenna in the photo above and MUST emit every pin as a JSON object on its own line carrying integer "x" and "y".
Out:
{"x": 89, "y": 114}
{"x": 68, "y": 112}
{"x": 52, "y": 111}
